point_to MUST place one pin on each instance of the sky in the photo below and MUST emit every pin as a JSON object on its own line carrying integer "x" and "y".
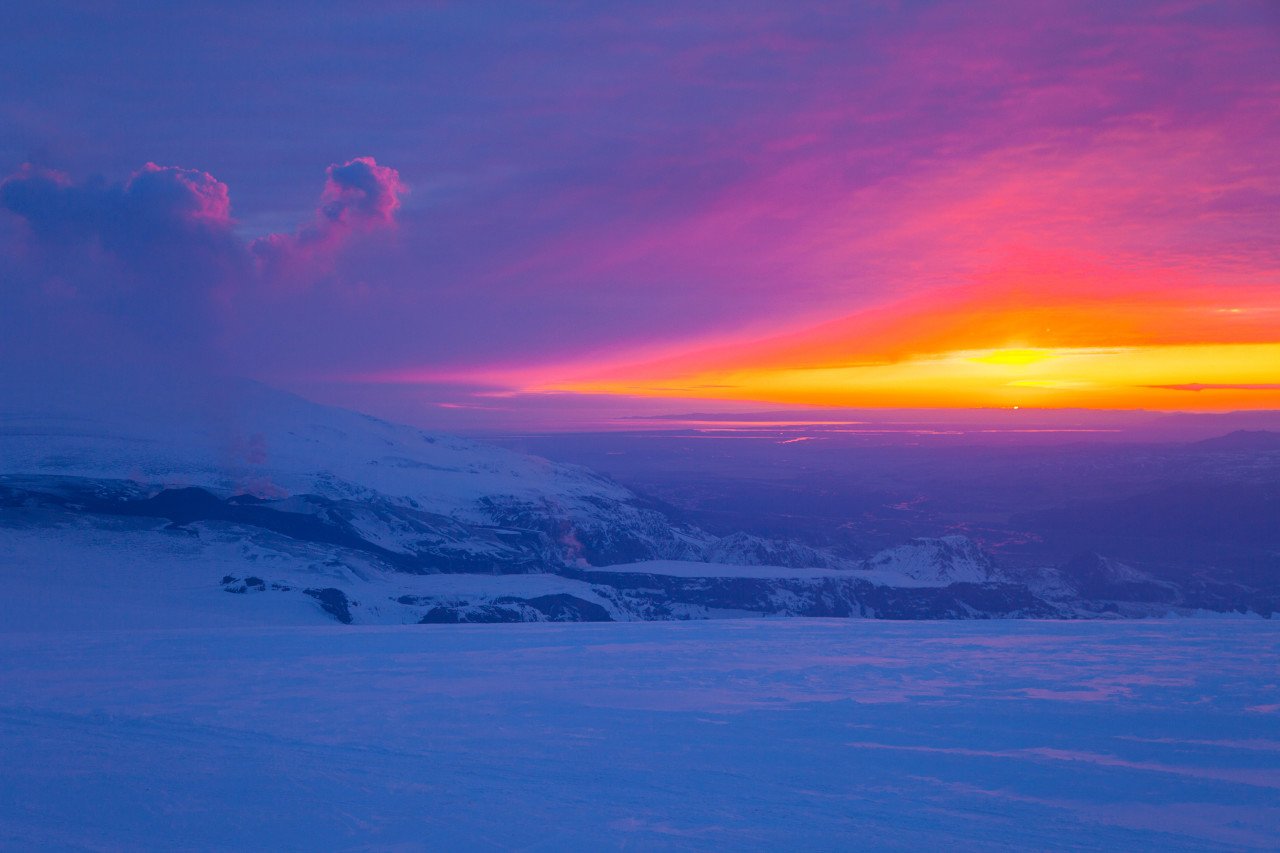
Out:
{"x": 473, "y": 213}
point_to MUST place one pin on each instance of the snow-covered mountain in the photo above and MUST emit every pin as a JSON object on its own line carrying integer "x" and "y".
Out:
{"x": 434, "y": 502}
{"x": 931, "y": 562}
{"x": 161, "y": 500}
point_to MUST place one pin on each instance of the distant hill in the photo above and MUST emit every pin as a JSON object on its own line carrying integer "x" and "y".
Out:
{"x": 1242, "y": 439}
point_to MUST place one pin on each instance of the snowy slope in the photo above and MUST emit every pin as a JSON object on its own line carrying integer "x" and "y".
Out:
{"x": 931, "y": 562}
{"x": 441, "y": 500}
{"x": 243, "y": 437}
{"x": 140, "y": 575}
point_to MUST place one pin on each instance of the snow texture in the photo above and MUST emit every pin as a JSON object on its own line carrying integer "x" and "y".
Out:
{"x": 737, "y": 734}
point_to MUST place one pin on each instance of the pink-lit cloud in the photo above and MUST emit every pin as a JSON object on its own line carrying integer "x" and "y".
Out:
{"x": 359, "y": 197}
{"x": 361, "y": 194}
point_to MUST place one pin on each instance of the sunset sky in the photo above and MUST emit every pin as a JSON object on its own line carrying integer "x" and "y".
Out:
{"x": 472, "y": 213}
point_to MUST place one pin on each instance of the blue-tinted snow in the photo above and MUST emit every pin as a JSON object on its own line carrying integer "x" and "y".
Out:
{"x": 756, "y": 734}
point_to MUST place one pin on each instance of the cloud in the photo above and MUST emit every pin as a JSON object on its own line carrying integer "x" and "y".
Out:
{"x": 359, "y": 197}
{"x": 133, "y": 262}
{"x": 158, "y": 255}
{"x": 360, "y": 193}
{"x": 156, "y": 202}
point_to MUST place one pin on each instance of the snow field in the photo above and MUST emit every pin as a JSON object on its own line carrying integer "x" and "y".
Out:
{"x": 755, "y": 734}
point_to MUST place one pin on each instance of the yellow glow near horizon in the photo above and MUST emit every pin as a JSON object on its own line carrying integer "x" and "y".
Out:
{"x": 1015, "y": 356}
{"x": 1156, "y": 377}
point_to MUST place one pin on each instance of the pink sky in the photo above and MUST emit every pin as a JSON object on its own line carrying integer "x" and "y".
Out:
{"x": 513, "y": 212}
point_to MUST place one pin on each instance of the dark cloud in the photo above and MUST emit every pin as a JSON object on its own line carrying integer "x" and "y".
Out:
{"x": 52, "y": 206}
{"x": 158, "y": 254}
{"x": 157, "y": 201}
{"x": 165, "y": 230}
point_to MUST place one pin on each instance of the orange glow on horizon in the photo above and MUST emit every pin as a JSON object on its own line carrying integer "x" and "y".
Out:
{"x": 1085, "y": 337}
{"x": 1228, "y": 376}
{"x": 1038, "y": 334}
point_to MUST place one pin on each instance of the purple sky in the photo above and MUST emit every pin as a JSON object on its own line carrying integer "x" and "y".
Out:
{"x": 555, "y": 184}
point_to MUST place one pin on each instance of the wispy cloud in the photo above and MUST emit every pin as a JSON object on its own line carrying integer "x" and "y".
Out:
{"x": 1220, "y": 386}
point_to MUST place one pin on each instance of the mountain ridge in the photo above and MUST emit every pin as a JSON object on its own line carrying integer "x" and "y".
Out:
{"x": 340, "y": 512}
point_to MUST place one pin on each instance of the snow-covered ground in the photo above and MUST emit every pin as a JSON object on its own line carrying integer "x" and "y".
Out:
{"x": 743, "y": 734}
